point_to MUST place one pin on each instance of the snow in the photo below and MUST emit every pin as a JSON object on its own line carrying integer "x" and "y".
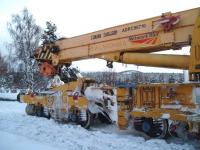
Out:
{"x": 20, "y": 143}
{"x": 20, "y": 131}
{"x": 8, "y": 95}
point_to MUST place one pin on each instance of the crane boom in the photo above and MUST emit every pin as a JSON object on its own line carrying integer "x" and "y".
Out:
{"x": 128, "y": 43}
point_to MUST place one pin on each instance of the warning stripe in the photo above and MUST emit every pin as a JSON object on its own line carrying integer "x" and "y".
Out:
{"x": 47, "y": 54}
{"x": 49, "y": 57}
{"x": 40, "y": 54}
{"x": 44, "y": 55}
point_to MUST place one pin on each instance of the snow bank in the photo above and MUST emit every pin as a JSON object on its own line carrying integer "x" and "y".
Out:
{"x": 72, "y": 137}
{"x": 9, "y": 95}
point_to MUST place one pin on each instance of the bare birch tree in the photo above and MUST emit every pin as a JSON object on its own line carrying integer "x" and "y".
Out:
{"x": 25, "y": 36}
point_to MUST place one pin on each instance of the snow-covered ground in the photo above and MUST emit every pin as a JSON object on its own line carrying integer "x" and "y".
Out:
{"x": 19, "y": 131}
{"x": 17, "y": 142}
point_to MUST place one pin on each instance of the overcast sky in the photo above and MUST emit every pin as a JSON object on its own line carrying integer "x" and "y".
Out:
{"x": 76, "y": 17}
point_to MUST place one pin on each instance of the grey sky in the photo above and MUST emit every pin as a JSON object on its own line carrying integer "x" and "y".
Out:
{"x": 76, "y": 17}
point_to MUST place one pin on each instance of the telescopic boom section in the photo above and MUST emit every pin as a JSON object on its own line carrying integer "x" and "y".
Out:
{"x": 157, "y": 60}
{"x": 132, "y": 43}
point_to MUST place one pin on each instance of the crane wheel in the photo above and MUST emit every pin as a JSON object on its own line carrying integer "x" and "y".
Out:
{"x": 30, "y": 109}
{"x": 39, "y": 111}
{"x": 179, "y": 129}
{"x": 86, "y": 124}
{"x": 104, "y": 119}
{"x": 18, "y": 98}
{"x": 152, "y": 128}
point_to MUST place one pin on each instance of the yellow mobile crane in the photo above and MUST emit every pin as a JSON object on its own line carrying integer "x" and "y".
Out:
{"x": 152, "y": 108}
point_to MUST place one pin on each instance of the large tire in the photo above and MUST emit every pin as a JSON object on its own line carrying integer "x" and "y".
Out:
{"x": 18, "y": 97}
{"x": 30, "y": 109}
{"x": 86, "y": 124}
{"x": 179, "y": 129}
{"x": 46, "y": 113}
{"x": 152, "y": 128}
{"x": 159, "y": 129}
{"x": 104, "y": 119}
{"x": 39, "y": 111}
